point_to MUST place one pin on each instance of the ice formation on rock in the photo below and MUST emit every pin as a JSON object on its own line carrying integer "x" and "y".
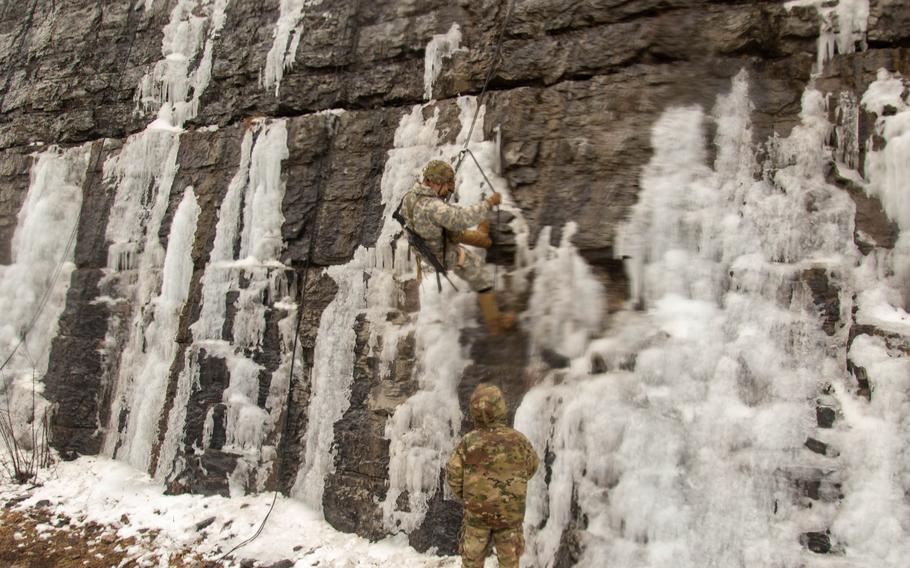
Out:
{"x": 33, "y": 287}
{"x": 173, "y": 88}
{"x": 288, "y": 30}
{"x": 708, "y": 396}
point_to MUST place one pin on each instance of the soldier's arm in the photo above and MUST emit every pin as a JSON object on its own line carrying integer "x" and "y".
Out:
{"x": 458, "y": 218}
{"x": 455, "y": 471}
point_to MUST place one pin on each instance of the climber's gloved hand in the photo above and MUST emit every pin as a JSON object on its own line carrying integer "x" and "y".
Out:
{"x": 494, "y": 199}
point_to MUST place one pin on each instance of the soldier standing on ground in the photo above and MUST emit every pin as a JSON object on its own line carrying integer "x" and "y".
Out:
{"x": 446, "y": 227}
{"x": 489, "y": 471}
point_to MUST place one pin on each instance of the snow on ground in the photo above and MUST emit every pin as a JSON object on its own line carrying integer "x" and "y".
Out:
{"x": 103, "y": 491}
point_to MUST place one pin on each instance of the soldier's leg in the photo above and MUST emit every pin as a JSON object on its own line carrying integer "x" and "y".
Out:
{"x": 477, "y": 275}
{"x": 475, "y": 542}
{"x": 474, "y": 272}
{"x": 510, "y": 544}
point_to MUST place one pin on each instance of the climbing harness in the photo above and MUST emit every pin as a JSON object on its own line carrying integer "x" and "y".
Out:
{"x": 423, "y": 249}
{"x": 461, "y": 154}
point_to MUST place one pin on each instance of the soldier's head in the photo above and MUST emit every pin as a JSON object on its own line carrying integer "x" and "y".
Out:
{"x": 440, "y": 177}
{"x": 488, "y": 407}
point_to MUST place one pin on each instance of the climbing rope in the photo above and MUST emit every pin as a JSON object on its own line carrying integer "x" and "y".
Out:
{"x": 300, "y": 310}
{"x": 483, "y": 92}
{"x": 285, "y": 427}
{"x": 497, "y": 54}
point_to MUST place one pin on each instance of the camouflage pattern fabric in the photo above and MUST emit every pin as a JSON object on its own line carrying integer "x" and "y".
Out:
{"x": 491, "y": 465}
{"x": 475, "y": 546}
{"x": 438, "y": 171}
{"x": 427, "y": 214}
{"x": 474, "y": 271}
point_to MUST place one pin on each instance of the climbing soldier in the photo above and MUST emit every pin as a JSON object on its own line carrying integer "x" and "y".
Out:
{"x": 445, "y": 228}
{"x": 489, "y": 471}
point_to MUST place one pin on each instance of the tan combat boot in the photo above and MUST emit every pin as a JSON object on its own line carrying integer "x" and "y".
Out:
{"x": 496, "y": 322}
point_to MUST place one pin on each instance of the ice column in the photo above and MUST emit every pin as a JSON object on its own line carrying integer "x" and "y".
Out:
{"x": 887, "y": 169}
{"x": 33, "y": 287}
{"x": 143, "y": 173}
{"x": 567, "y": 302}
{"x": 151, "y": 372}
{"x": 332, "y": 375}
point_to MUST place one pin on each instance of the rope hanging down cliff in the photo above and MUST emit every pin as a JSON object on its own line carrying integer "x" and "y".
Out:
{"x": 497, "y": 54}
{"x": 486, "y": 83}
{"x": 415, "y": 238}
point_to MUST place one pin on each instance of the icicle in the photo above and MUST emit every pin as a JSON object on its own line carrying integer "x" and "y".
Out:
{"x": 173, "y": 88}
{"x": 220, "y": 276}
{"x": 439, "y": 48}
{"x": 842, "y": 27}
{"x": 567, "y": 302}
{"x": 287, "y": 34}
{"x": 332, "y": 375}
{"x": 889, "y": 169}
{"x": 262, "y": 217}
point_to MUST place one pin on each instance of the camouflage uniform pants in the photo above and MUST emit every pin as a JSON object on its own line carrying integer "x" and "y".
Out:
{"x": 476, "y": 542}
{"x": 474, "y": 272}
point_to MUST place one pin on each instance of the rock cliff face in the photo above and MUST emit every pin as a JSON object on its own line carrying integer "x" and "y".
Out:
{"x": 241, "y": 162}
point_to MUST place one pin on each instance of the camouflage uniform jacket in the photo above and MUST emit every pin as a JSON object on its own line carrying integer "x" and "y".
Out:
{"x": 491, "y": 465}
{"x": 427, "y": 215}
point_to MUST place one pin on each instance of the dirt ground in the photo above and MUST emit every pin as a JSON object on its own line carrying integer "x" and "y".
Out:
{"x": 41, "y": 538}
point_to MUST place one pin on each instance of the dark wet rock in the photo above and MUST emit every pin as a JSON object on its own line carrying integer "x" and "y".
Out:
{"x": 206, "y": 473}
{"x": 817, "y": 542}
{"x": 201, "y": 525}
{"x": 825, "y": 416}
{"x": 817, "y": 446}
{"x": 439, "y": 531}
{"x": 77, "y": 378}
{"x": 355, "y": 489}
{"x": 826, "y": 297}
{"x": 889, "y": 23}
